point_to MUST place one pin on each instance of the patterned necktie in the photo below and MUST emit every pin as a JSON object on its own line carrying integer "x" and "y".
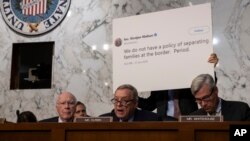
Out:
{"x": 177, "y": 112}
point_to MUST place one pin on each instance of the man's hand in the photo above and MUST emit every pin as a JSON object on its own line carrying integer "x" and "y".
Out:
{"x": 213, "y": 59}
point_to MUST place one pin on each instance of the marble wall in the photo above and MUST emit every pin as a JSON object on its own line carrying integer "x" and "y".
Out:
{"x": 82, "y": 61}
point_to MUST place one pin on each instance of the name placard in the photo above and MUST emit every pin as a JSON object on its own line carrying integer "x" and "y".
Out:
{"x": 93, "y": 119}
{"x": 200, "y": 118}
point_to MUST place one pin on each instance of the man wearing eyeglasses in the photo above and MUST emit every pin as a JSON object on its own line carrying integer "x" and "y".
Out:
{"x": 172, "y": 102}
{"x": 205, "y": 92}
{"x": 125, "y": 106}
{"x": 65, "y": 106}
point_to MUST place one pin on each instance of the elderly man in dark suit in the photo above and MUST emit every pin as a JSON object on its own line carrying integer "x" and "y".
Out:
{"x": 125, "y": 106}
{"x": 205, "y": 92}
{"x": 65, "y": 106}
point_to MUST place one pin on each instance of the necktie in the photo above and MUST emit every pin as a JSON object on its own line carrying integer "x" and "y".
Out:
{"x": 173, "y": 96}
{"x": 177, "y": 112}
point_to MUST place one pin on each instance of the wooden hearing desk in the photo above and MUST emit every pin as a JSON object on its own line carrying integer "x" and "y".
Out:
{"x": 136, "y": 131}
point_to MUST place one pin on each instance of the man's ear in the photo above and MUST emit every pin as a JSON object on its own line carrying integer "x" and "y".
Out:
{"x": 216, "y": 90}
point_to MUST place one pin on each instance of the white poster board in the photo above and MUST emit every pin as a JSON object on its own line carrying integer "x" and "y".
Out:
{"x": 162, "y": 50}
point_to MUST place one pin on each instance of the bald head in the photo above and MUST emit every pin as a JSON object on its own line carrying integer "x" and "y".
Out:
{"x": 65, "y": 106}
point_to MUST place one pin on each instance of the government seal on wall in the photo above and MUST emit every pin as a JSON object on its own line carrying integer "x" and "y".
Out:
{"x": 34, "y": 17}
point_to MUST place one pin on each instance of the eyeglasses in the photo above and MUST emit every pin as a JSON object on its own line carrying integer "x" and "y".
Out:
{"x": 205, "y": 98}
{"x": 122, "y": 102}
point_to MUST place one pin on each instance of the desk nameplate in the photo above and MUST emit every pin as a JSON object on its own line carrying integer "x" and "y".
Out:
{"x": 200, "y": 118}
{"x": 93, "y": 119}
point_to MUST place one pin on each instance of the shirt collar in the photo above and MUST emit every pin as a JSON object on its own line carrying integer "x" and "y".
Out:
{"x": 129, "y": 120}
{"x": 60, "y": 120}
{"x": 218, "y": 109}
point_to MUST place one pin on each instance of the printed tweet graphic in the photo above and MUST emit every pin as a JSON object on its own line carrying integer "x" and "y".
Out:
{"x": 162, "y": 50}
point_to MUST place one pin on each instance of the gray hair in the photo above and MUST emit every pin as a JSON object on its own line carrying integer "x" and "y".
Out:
{"x": 130, "y": 87}
{"x": 68, "y": 93}
{"x": 200, "y": 80}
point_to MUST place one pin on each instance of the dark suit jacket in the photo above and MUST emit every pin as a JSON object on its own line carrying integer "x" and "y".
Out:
{"x": 139, "y": 115}
{"x": 231, "y": 111}
{"x": 53, "y": 119}
{"x": 159, "y": 100}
